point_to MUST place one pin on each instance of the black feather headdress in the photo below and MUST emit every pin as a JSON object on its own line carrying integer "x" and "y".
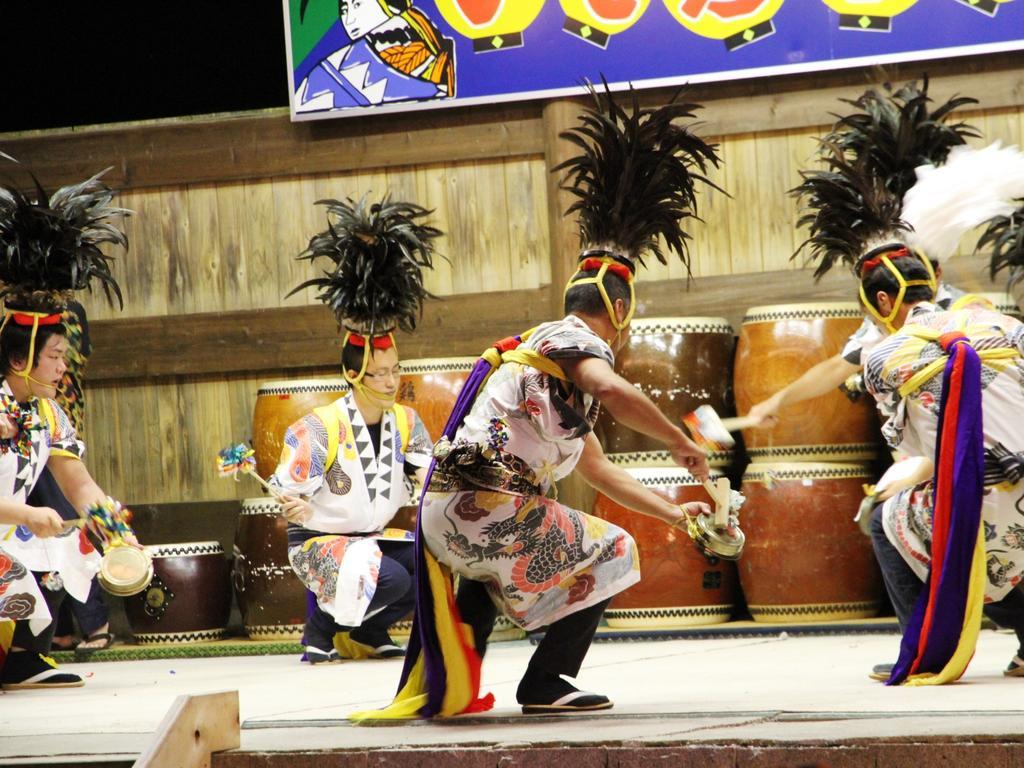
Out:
{"x": 871, "y": 155}
{"x": 847, "y": 210}
{"x": 636, "y": 179}
{"x": 377, "y": 252}
{"x": 50, "y": 245}
{"x": 1005, "y": 236}
{"x": 894, "y": 132}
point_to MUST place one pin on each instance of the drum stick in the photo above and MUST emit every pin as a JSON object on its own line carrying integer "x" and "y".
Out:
{"x": 736, "y": 423}
{"x": 266, "y": 486}
{"x": 720, "y": 492}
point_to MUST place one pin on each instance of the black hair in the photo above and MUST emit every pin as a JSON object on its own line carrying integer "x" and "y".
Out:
{"x": 882, "y": 279}
{"x": 352, "y": 357}
{"x": 586, "y": 299}
{"x": 15, "y": 340}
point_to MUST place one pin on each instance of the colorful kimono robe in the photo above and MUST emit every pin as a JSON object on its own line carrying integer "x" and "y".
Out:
{"x": 352, "y": 501}
{"x": 70, "y": 554}
{"x": 486, "y": 515}
{"x": 911, "y": 427}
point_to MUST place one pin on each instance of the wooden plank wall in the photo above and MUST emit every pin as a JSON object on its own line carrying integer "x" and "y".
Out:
{"x": 210, "y": 235}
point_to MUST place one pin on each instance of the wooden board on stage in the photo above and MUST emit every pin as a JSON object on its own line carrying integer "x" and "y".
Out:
{"x": 430, "y": 386}
{"x": 678, "y": 586}
{"x": 777, "y": 345}
{"x": 806, "y": 559}
{"x": 679, "y": 363}
{"x": 270, "y": 596}
{"x": 279, "y": 404}
{"x": 189, "y": 597}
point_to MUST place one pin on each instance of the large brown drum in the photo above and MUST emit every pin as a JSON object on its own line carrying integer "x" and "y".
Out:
{"x": 270, "y": 596}
{"x": 678, "y": 586}
{"x": 431, "y": 385}
{"x": 189, "y": 597}
{"x": 806, "y": 559}
{"x": 678, "y": 362}
{"x": 777, "y": 345}
{"x": 279, "y": 404}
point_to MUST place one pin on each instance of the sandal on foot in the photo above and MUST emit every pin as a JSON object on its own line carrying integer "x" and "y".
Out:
{"x": 881, "y": 672}
{"x": 316, "y": 655}
{"x": 25, "y": 670}
{"x": 577, "y": 701}
{"x": 84, "y": 651}
{"x": 1015, "y": 668}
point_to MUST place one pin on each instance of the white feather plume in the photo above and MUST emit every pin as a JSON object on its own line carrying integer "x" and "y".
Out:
{"x": 969, "y": 189}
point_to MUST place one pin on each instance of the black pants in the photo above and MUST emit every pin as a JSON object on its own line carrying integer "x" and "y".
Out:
{"x": 394, "y": 599}
{"x": 23, "y": 637}
{"x": 565, "y": 643}
{"x": 904, "y": 587}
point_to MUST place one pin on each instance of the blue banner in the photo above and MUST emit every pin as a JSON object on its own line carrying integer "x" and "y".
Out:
{"x": 351, "y": 57}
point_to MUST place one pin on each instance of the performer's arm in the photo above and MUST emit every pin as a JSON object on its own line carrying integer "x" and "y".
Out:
{"x": 818, "y": 381}
{"x": 75, "y": 482}
{"x": 619, "y": 486}
{"x": 629, "y": 406}
{"x": 42, "y": 521}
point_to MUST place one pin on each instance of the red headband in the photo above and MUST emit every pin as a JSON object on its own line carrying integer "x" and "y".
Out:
{"x": 379, "y": 342}
{"x": 870, "y": 264}
{"x": 23, "y": 319}
{"x": 619, "y": 270}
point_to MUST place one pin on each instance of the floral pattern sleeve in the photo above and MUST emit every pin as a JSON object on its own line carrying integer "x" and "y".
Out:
{"x": 303, "y": 455}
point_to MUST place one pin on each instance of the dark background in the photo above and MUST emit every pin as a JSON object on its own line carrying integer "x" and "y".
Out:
{"x": 82, "y": 62}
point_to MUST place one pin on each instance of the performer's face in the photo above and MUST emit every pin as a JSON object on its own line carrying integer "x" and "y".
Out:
{"x": 359, "y": 17}
{"x": 49, "y": 367}
{"x": 383, "y": 372}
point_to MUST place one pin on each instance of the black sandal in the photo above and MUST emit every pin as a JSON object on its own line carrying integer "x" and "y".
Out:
{"x": 84, "y": 652}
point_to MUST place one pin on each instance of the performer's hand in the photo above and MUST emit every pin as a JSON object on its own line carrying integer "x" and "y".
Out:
{"x": 766, "y": 412}
{"x": 695, "y": 508}
{"x": 8, "y": 427}
{"x": 43, "y": 522}
{"x": 295, "y": 510}
{"x": 692, "y": 457}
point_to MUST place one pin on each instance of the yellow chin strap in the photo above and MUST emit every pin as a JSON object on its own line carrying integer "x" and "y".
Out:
{"x": 887, "y": 320}
{"x": 27, "y": 373}
{"x": 598, "y": 280}
{"x": 383, "y": 399}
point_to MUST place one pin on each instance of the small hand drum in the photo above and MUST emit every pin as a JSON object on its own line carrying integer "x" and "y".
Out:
{"x": 724, "y": 541}
{"x": 125, "y": 570}
{"x": 719, "y": 535}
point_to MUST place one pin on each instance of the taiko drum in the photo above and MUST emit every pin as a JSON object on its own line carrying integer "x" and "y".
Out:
{"x": 679, "y": 363}
{"x": 777, "y": 345}
{"x": 806, "y": 559}
{"x": 188, "y": 599}
{"x": 430, "y": 386}
{"x": 279, "y": 404}
{"x": 270, "y": 596}
{"x": 679, "y": 587}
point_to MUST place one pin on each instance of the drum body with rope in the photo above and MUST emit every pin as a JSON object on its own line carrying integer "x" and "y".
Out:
{"x": 270, "y": 596}
{"x": 777, "y": 345}
{"x": 279, "y": 404}
{"x": 678, "y": 586}
{"x": 430, "y": 386}
{"x": 189, "y": 598}
{"x": 806, "y": 559}
{"x": 679, "y": 363}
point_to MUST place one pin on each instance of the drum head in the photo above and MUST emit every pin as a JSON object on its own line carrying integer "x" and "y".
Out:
{"x": 125, "y": 571}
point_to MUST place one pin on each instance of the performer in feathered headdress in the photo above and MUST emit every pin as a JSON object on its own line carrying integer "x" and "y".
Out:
{"x": 343, "y": 467}
{"x": 49, "y": 247}
{"x": 524, "y": 420}
{"x": 951, "y": 546}
{"x": 852, "y": 208}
